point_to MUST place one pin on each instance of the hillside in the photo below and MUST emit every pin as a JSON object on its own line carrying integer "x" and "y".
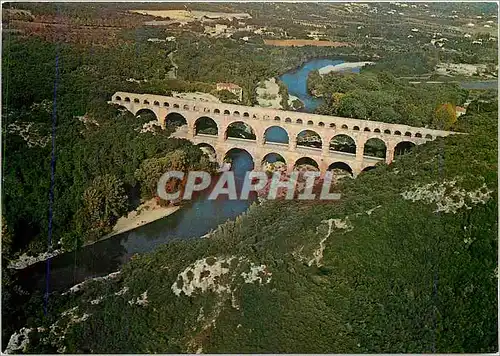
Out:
{"x": 405, "y": 262}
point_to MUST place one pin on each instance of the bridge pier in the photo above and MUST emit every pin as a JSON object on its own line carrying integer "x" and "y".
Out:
{"x": 389, "y": 153}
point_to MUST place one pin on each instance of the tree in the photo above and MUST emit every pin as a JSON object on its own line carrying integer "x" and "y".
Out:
{"x": 445, "y": 116}
{"x": 227, "y": 97}
{"x": 103, "y": 202}
{"x": 151, "y": 170}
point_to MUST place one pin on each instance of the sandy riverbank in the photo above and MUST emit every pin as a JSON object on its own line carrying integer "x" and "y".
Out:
{"x": 144, "y": 214}
{"x": 342, "y": 67}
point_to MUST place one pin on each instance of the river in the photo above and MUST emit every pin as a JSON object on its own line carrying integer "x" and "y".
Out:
{"x": 193, "y": 220}
{"x": 296, "y": 81}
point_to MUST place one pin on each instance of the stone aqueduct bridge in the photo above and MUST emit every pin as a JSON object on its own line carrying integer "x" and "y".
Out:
{"x": 261, "y": 119}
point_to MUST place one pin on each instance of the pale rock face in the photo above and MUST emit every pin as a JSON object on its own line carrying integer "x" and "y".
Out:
{"x": 77, "y": 287}
{"x": 343, "y": 224}
{"x": 447, "y": 197}
{"x": 254, "y": 274}
{"x": 203, "y": 276}
{"x": 18, "y": 341}
{"x": 122, "y": 291}
{"x": 142, "y": 300}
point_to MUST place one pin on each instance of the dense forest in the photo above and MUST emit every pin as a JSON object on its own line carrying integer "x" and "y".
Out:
{"x": 406, "y": 261}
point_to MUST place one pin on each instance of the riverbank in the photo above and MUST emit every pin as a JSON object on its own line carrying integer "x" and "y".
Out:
{"x": 342, "y": 67}
{"x": 146, "y": 213}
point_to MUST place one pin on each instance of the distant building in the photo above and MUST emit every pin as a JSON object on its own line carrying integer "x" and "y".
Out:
{"x": 460, "y": 111}
{"x": 231, "y": 87}
{"x": 220, "y": 28}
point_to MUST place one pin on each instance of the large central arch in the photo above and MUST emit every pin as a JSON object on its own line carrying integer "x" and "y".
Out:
{"x": 276, "y": 134}
{"x": 309, "y": 138}
{"x": 206, "y": 125}
{"x": 243, "y": 165}
{"x": 241, "y": 130}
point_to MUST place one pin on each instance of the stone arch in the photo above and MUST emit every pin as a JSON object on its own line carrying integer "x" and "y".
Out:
{"x": 342, "y": 166}
{"x": 418, "y": 134}
{"x": 145, "y": 102}
{"x": 241, "y": 130}
{"x": 332, "y": 125}
{"x": 288, "y": 120}
{"x": 344, "y": 127}
{"x": 206, "y": 110}
{"x": 176, "y": 106}
{"x": 367, "y": 129}
{"x": 376, "y": 130}
{"x": 306, "y": 160}
{"x": 343, "y": 143}
{"x": 136, "y": 100}
{"x": 118, "y": 98}
{"x": 146, "y": 113}
{"x": 321, "y": 124}
{"x": 397, "y": 133}
{"x": 428, "y": 136}
{"x": 185, "y": 107}
{"x": 127, "y": 99}
{"x": 273, "y": 162}
{"x": 175, "y": 119}
{"x": 408, "y": 134}
{"x": 403, "y": 147}
{"x": 216, "y": 111}
{"x": 226, "y": 112}
{"x": 388, "y": 132}
{"x": 310, "y": 123}
{"x": 245, "y": 114}
{"x": 254, "y": 116}
{"x": 277, "y": 118}
{"x": 299, "y": 121}
{"x": 206, "y": 125}
{"x": 356, "y": 128}
{"x": 156, "y": 103}
{"x": 276, "y": 134}
{"x": 209, "y": 150}
{"x": 309, "y": 138}
{"x": 375, "y": 147}
{"x": 236, "y": 150}
{"x": 236, "y": 113}
{"x": 165, "y": 104}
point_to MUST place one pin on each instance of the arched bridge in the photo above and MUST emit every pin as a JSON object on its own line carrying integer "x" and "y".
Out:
{"x": 330, "y": 141}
